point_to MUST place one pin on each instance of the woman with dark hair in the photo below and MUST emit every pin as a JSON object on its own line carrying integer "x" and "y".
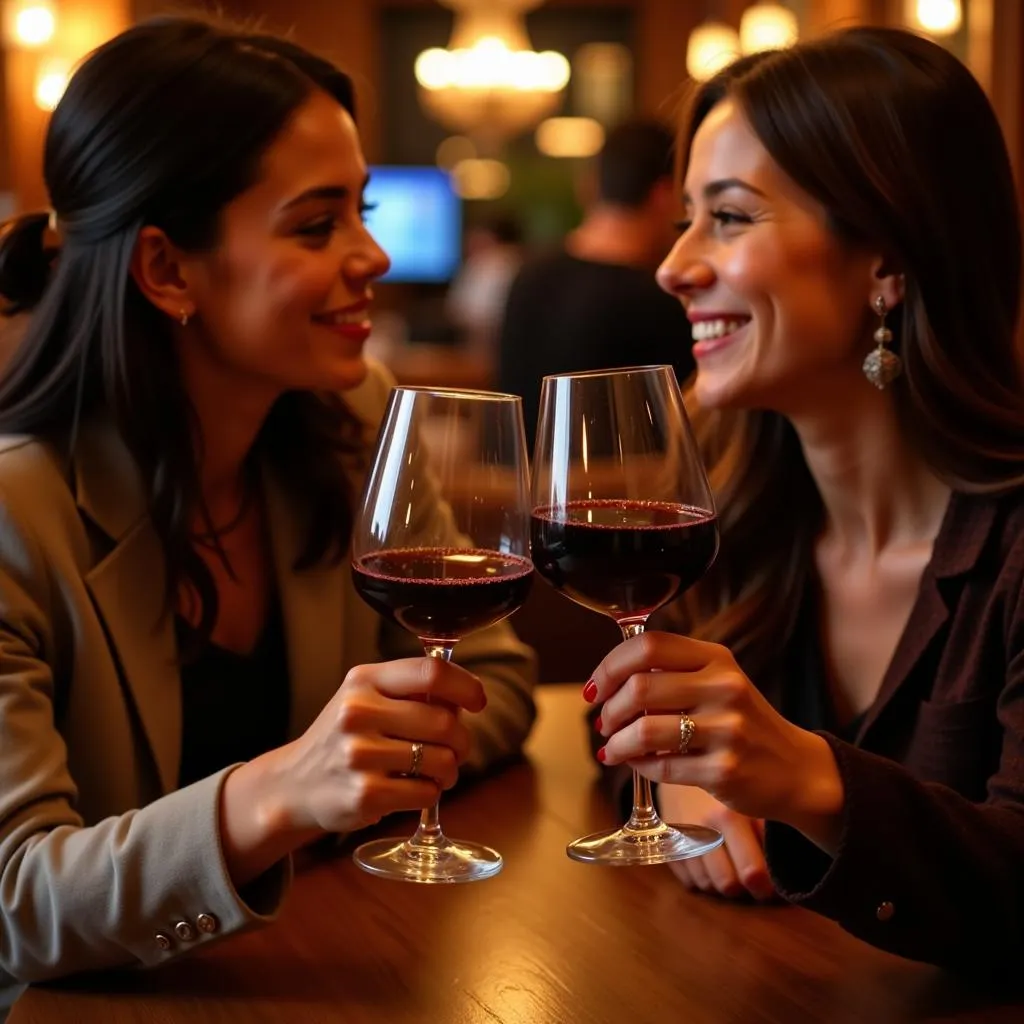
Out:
{"x": 848, "y": 704}
{"x": 190, "y": 688}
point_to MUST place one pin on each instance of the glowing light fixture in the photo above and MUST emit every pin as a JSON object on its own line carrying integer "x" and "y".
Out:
{"x": 489, "y": 82}
{"x": 569, "y": 136}
{"x": 767, "y": 27}
{"x": 711, "y": 47}
{"x": 51, "y": 81}
{"x": 453, "y": 150}
{"x": 480, "y": 179}
{"x": 938, "y": 17}
{"x": 29, "y": 24}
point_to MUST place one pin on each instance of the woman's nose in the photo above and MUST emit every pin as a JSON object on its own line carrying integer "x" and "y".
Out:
{"x": 683, "y": 271}
{"x": 370, "y": 261}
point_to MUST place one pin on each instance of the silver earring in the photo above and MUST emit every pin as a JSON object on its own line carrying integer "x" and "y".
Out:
{"x": 882, "y": 366}
{"x": 184, "y": 318}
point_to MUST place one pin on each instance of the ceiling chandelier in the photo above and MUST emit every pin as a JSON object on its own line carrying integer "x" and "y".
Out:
{"x": 489, "y": 83}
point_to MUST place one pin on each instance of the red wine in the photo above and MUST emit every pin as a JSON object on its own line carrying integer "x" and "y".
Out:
{"x": 442, "y": 594}
{"x": 624, "y": 559}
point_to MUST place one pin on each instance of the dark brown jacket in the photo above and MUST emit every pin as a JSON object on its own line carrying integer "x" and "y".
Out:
{"x": 931, "y": 859}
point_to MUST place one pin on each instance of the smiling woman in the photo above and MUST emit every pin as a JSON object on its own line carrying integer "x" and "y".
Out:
{"x": 190, "y": 688}
{"x": 851, "y": 261}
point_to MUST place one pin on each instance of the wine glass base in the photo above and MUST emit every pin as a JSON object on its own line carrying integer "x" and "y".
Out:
{"x": 444, "y": 862}
{"x": 631, "y": 847}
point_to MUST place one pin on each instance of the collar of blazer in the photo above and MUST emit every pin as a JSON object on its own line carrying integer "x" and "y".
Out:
{"x": 128, "y": 587}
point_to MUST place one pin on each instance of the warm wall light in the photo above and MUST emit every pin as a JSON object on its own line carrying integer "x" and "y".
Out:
{"x": 711, "y": 47}
{"x": 51, "y": 81}
{"x": 569, "y": 137}
{"x": 938, "y": 17}
{"x": 480, "y": 179}
{"x": 767, "y": 27}
{"x": 29, "y": 24}
{"x": 454, "y": 150}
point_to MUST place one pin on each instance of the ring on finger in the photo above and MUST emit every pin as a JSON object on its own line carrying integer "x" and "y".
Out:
{"x": 686, "y": 731}
{"x": 417, "y": 759}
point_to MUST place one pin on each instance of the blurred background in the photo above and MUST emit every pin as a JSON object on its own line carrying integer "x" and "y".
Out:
{"x": 479, "y": 117}
{"x": 481, "y": 120}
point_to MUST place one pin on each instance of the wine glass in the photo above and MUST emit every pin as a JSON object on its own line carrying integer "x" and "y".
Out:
{"x": 623, "y": 522}
{"x": 441, "y": 548}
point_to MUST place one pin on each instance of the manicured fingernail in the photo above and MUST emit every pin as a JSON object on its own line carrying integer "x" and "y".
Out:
{"x": 590, "y": 692}
{"x": 601, "y": 755}
{"x": 597, "y": 723}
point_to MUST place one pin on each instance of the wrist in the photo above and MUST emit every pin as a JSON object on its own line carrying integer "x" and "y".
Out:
{"x": 259, "y": 824}
{"x": 815, "y": 806}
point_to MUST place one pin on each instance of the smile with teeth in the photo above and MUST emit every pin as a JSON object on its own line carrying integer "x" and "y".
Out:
{"x": 705, "y": 330}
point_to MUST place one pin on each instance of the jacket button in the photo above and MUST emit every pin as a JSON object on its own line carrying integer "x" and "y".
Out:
{"x": 207, "y": 923}
{"x": 184, "y": 931}
{"x": 163, "y": 941}
{"x": 885, "y": 911}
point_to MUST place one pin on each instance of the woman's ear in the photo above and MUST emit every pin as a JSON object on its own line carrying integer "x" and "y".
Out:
{"x": 161, "y": 272}
{"x": 887, "y": 282}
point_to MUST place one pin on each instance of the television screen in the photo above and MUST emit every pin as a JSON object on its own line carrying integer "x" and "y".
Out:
{"x": 417, "y": 221}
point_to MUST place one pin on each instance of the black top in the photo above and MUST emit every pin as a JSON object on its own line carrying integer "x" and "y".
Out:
{"x": 234, "y": 706}
{"x": 809, "y": 702}
{"x": 566, "y": 314}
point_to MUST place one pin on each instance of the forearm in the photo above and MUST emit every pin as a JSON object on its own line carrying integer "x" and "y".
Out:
{"x": 257, "y": 828}
{"x": 76, "y": 898}
{"x": 916, "y": 867}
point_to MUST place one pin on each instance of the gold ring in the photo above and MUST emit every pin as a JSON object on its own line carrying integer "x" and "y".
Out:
{"x": 686, "y": 731}
{"x": 417, "y": 758}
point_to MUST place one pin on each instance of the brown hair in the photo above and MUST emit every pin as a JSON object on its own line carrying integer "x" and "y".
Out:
{"x": 896, "y": 139}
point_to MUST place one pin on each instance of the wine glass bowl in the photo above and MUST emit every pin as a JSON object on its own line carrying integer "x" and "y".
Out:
{"x": 623, "y": 522}
{"x": 440, "y": 548}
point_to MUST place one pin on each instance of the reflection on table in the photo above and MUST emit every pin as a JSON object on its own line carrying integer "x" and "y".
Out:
{"x": 547, "y": 941}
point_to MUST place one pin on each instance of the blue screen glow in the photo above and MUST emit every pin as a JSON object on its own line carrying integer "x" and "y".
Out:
{"x": 417, "y": 222}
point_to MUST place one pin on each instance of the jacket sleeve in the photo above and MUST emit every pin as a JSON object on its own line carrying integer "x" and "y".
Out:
{"x": 72, "y": 897}
{"x": 921, "y": 870}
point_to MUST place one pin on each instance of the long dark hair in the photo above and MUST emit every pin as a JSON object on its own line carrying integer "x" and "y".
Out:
{"x": 163, "y": 125}
{"x": 895, "y": 138}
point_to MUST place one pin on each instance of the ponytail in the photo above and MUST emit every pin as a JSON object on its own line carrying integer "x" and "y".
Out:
{"x": 25, "y": 262}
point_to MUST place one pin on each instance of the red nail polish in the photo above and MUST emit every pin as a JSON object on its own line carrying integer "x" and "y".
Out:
{"x": 601, "y": 755}
{"x": 597, "y": 723}
{"x": 590, "y": 692}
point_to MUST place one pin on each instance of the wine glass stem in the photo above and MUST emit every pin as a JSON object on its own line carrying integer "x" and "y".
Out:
{"x": 643, "y": 816}
{"x": 428, "y": 833}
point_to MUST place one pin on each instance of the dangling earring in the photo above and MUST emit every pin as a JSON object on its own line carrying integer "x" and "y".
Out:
{"x": 881, "y": 366}
{"x": 183, "y": 318}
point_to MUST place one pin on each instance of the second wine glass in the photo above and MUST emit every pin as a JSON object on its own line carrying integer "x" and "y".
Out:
{"x": 441, "y": 548}
{"x": 623, "y": 522}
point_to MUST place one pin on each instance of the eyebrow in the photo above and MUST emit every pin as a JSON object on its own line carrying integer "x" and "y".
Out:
{"x": 324, "y": 192}
{"x": 716, "y": 188}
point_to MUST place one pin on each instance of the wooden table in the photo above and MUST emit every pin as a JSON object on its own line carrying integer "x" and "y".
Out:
{"x": 548, "y": 941}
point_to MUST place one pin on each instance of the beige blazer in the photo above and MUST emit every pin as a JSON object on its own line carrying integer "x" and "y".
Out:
{"x": 102, "y": 860}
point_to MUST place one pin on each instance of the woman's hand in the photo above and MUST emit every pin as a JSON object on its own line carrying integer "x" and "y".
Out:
{"x": 351, "y": 767}
{"x": 737, "y": 868}
{"x": 742, "y": 751}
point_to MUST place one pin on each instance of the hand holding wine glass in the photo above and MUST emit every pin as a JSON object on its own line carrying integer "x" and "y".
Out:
{"x": 623, "y": 522}
{"x": 441, "y": 548}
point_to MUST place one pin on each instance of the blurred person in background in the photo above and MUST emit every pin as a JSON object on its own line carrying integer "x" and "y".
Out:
{"x": 594, "y": 304}
{"x": 848, "y": 705}
{"x": 476, "y": 300}
{"x": 190, "y": 688}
